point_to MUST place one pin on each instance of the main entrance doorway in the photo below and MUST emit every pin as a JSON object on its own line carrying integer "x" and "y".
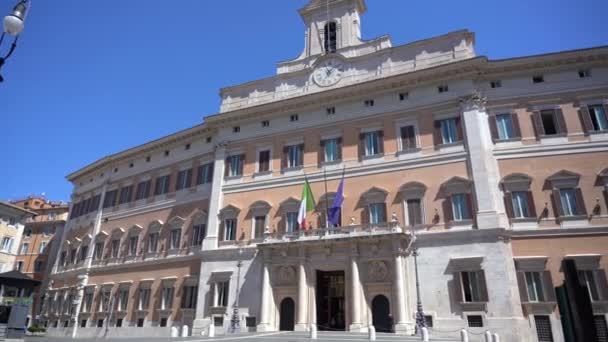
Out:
{"x": 380, "y": 314}
{"x": 287, "y": 315}
{"x": 330, "y": 300}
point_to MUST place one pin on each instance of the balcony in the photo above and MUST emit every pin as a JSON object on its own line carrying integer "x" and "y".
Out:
{"x": 334, "y": 233}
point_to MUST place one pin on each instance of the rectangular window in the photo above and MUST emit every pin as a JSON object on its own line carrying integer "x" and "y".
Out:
{"x": 152, "y": 242}
{"x": 125, "y": 194}
{"x": 140, "y": 322}
{"x": 123, "y": 299}
{"x": 332, "y": 150}
{"x": 163, "y": 321}
{"x": 87, "y": 301}
{"x": 294, "y": 156}
{"x": 110, "y": 199}
{"x": 205, "y": 174}
{"x": 234, "y": 165}
{"x": 114, "y": 248}
{"x": 408, "y": 138}
{"x": 100, "y": 323}
{"x": 520, "y": 204}
{"x": 144, "y": 299}
{"x": 167, "y": 298}
{"x": 534, "y": 286}
{"x": 414, "y": 212}
{"x": 443, "y": 88}
{"x": 568, "y": 199}
{"x": 38, "y": 266}
{"x": 7, "y": 244}
{"x": 84, "y": 252}
{"x": 496, "y": 84}
{"x": 176, "y": 236}
{"x": 259, "y": 226}
{"x": 24, "y": 248}
{"x": 198, "y": 234}
{"x": 475, "y": 321}
{"x": 230, "y": 229}
{"x": 597, "y": 114}
{"x": 368, "y": 103}
{"x": 265, "y": 123}
{"x": 294, "y": 117}
{"x": 42, "y": 247}
{"x": 292, "y": 222}
{"x": 587, "y": 279}
{"x": 133, "y": 240}
{"x": 222, "y": 293}
{"x": 460, "y": 208}
{"x": 98, "y": 250}
{"x": 377, "y": 213}
{"x": 449, "y": 131}
{"x": 264, "y": 161}
{"x": 504, "y": 125}
{"x": 471, "y": 286}
{"x": 189, "y": 297}
{"x": 83, "y": 323}
{"x": 19, "y": 266}
{"x": 143, "y": 190}
{"x": 538, "y": 79}
{"x": 371, "y": 143}
{"x": 184, "y": 179}
{"x": 162, "y": 185}
{"x": 584, "y": 73}
{"x": 105, "y": 301}
{"x": 549, "y": 122}
{"x": 119, "y": 322}
{"x": 543, "y": 328}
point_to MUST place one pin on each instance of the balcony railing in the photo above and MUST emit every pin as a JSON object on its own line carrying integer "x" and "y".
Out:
{"x": 334, "y": 232}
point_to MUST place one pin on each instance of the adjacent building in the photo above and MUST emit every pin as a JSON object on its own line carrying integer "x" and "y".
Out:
{"x": 39, "y": 245}
{"x": 12, "y": 221}
{"x": 495, "y": 171}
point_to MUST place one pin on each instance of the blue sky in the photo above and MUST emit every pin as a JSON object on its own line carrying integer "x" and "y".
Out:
{"x": 90, "y": 78}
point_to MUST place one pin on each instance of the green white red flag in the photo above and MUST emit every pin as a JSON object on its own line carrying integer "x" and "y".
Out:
{"x": 307, "y": 203}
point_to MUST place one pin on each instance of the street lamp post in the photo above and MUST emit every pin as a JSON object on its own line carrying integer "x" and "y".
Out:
{"x": 420, "y": 321}
{"x": 235, "y": 321}
{"x": 13, "y": 25}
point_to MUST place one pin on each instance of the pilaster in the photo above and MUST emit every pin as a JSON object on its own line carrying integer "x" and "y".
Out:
{"x": 264, "y": 324}
{"x": 216, "y": 199}
{"x": 302, "y": 306}
{"x": 483, "y": 165}
{"x": 356, "y": 324}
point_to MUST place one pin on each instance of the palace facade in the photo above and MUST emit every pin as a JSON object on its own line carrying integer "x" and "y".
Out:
{"x": 494, "y": 171}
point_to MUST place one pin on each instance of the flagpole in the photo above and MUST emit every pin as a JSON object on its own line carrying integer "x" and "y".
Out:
{"x": 326, "y": 198}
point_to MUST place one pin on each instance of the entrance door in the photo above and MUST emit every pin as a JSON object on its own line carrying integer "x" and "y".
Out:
{"x": 330, "y": 300}
{"x": 288, "y": 312}
{"x": 380, "y": 314}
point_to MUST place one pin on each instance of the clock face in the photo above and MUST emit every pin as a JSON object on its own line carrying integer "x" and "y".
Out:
{"x": 328, "y": 72}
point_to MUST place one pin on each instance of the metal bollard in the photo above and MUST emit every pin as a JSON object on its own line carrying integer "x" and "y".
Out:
{"x": 488, "y": 336}
{"x": 464, "y": 335}
{"x": 313, "y": 332}
{"x": 174, "y": 332}
{"x": 372, "y": 333}
{"x": 424, "y": 334}
{"x": 211, "y": 330}
{"x": 185, "y": 331}
{"x": 495, "y": 337}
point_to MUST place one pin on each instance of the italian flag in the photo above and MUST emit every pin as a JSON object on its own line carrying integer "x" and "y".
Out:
{"x": 307, "y": 203}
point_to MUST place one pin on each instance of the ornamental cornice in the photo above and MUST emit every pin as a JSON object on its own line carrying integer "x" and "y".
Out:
{"x": 475, "y": 101}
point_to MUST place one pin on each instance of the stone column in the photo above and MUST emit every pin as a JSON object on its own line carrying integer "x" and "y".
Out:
{"x": 265, "y": 306}
{"x": 216, "y": 198}
{"x": 483, "y": 165}
{"x": 301, "y": 321}
{"x": 400, "y": 309}
{"x": 355, "y": 324}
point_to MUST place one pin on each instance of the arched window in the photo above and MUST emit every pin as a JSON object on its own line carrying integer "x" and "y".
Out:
{"x": 330, "y": 37}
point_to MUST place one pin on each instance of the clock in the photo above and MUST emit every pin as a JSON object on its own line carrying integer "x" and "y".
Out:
{"x": 328, "y": 72}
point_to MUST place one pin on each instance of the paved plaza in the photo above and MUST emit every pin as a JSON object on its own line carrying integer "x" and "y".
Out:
{"x": 271, "y": 337}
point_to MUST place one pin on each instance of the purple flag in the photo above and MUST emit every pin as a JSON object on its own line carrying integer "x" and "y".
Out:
{"x": 336, "y": 208}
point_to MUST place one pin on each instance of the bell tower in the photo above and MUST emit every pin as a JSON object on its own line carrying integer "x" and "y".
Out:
{"x": 331, "y": 25}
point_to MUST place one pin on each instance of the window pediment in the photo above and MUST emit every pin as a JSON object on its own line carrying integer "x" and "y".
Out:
{"x": 603, "y": 175}
{"x": 259, "y": 208}
{"x": 456, "y": 185}
{"x": 531, "y": 264}
{"x": 230, "y": 211}
{"x": 516, "y": 182}
{"x": 564, "y": 179}
{"x": 101, "y": 236}
{"x": 176, "y": 222}
{"x": 118, "y": 231}
{"x": 135, "y": 229}
{"x": 412, "y": 190}
{"x": 155, "y": 226}
{"x": 465, "y": 264}
{"x": 374, "y": 195}
{"x": 290, "y": 205}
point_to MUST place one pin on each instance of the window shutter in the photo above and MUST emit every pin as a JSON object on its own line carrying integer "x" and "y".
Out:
{"x": 580, "y": 203}
{"x": 437, "y": 133}
{"x": 538, "y": 124}
{"x": 322, "y": 143}
{"x": 321, "y": 153}
{"x": 221, "y": 231}
{"x": 211, "y": 167}
{"x": 521, "y": 284}
{"x": 509, "y": 204}
{"x": 530, "y": 202}
{"x": 211, "y": 295}
{"x": 361, "y": 145}
{"x": 381, "y": 141}
{"x": 602, "y": 284}
{"x": 285, "y": 157}
{"x": 189, "y": 178}
{"x": 561, "y": 123}
{"x": 470, "y": 206}
{"x": 459, "y": 129}
{"x": 548, "y": 289}
{"x": 458, "y": 287}
{"x": 557, "y": 202}
{"x": 585, "y": 117}
{"x": 384, "y": 213}
{"x": 447, "y": 210}
{"x": 227, "y": 167}
{"x": 339, "y": 147}
{"x": 365, "y": 215}
{"x": 242, "y": 164}
{"x": 493, "y": 126}
{"x": 483, "y": 286}
{"x": 301, "y": 155}
{"x": 515, "y": 123}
